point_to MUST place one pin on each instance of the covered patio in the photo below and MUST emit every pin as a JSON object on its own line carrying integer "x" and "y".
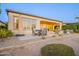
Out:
{"x": 51, "y": 26}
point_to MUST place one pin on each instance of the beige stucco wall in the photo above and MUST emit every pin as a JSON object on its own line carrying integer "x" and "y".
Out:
{"x": 11, "y": 23}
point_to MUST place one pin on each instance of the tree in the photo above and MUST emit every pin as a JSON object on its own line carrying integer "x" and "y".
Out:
{"x": 0, "y": 11}
{"x": 77, "y": 18}
{"x": 0, "y": 8}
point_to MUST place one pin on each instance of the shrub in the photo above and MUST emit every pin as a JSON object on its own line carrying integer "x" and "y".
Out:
{"x": 43, "y": 37}
{"x": 71, "y": 26}
{"x": 53, "y": 35}
{"x": 4, "y": 33}
{"x": 57, "y": 50}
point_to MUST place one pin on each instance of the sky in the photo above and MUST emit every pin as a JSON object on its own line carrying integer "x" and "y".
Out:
{"x": 65, "y": 12}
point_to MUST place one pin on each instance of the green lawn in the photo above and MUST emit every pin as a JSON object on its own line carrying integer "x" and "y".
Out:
{"x": 57, "y": 50}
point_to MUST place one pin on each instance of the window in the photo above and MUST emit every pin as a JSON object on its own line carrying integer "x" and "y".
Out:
{"x": 16, "y": 23}
{"x": 29, "y": 23}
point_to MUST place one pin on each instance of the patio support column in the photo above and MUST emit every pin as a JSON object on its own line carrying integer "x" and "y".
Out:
{"x": 60, "y": 26}
{"x": 53, "y": 27}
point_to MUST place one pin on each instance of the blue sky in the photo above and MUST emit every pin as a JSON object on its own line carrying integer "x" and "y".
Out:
{"x": 64, "y": 12}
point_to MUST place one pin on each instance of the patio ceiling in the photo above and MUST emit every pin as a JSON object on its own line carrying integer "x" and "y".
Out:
{"x": 48, "y": 23}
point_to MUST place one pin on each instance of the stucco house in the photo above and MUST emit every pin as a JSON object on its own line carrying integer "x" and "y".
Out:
{"x": 22, "y": 23}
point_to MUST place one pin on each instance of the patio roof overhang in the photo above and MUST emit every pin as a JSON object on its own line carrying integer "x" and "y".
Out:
{"x": 9, "y": 10}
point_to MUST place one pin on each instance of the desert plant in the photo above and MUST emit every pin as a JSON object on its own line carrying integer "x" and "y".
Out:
{"x": 57, "y": 50}
{"x": 4, "y": 33}
{"x": 43, "y": 37}
{"x": 53, "y": 35}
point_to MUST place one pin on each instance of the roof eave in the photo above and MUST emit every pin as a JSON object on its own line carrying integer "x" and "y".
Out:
{"x": 9, "y": 10}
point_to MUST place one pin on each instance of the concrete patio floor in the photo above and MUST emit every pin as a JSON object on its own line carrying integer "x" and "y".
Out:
{"x": 33, "y": 47}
